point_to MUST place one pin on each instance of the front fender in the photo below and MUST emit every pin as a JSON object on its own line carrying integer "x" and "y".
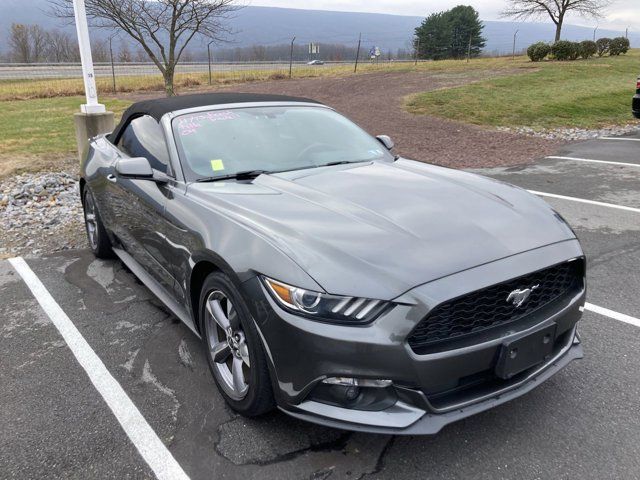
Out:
{"x": 201, "y": 239}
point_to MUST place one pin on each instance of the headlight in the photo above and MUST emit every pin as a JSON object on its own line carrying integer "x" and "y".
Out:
{"x": 322, "y": 306}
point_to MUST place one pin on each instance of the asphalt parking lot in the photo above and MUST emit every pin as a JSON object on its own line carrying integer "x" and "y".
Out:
{"x": 56, "y": 422}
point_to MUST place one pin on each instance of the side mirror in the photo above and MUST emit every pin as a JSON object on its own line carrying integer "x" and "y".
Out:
{"x": 136, "y": 167}
{"x": 386, "y": 141}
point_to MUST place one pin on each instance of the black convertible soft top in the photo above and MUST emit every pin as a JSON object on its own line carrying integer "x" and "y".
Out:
{"x": 157, "y": 107}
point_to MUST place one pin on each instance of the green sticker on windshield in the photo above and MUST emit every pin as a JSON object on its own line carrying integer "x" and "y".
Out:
{"x": 217, "y": 165}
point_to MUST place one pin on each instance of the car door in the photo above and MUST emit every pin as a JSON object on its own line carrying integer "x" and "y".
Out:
{"x": 138, "y": 205}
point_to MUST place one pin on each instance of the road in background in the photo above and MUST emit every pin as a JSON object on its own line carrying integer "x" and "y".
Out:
{"x": 10, "y": 71}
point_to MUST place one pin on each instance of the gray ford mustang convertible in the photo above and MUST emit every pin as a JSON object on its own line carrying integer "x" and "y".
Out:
{"x": 326, "y": 276}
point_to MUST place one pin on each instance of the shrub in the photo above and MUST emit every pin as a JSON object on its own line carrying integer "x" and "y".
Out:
{"x": 588, "y": 49}
{"x": 565, "y": 50}
{"x": 603, "y": 45}
{"x": 574, "y": 53}
{"x": 538, "y": 51}
{"x": 619, "y": 45}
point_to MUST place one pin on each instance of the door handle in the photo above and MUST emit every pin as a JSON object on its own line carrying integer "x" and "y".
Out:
{"x": 112, "y": 178}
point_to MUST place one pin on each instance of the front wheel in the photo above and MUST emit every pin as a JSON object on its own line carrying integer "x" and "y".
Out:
{"x": 96, "y": 233}
{"x": 234, "y": 351}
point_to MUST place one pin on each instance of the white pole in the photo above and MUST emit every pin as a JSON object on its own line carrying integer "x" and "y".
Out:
{"x": 92, "y": 105}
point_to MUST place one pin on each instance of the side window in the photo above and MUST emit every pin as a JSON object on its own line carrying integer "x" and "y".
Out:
{"x": 143, "y": 137}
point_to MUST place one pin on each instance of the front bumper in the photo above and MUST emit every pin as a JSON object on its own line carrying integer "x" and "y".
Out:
{"x": 425, "y": 421}
{"x": 635, "y": 106}
{"x": 303, "y": 352}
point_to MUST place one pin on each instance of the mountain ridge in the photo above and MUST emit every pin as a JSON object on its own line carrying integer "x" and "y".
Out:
{"x": 274, "y": 25}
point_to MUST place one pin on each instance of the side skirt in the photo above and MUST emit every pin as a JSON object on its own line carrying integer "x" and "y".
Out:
{"x": 157, "y": 289}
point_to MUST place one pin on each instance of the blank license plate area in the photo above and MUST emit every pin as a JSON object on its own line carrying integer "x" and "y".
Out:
{"x": 522, "y": 353}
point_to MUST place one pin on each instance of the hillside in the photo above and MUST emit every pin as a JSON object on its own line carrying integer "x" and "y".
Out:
{"x": 271, "y": 26}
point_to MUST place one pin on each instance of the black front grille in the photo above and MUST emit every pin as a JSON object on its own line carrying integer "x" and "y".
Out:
{"x": 488, "y": 308}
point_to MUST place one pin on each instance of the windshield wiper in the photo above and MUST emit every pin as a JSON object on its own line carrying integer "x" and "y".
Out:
{"x": 331, "y": 164}
{"x": 342, "y": 162}
{"x": 246, "y": 175}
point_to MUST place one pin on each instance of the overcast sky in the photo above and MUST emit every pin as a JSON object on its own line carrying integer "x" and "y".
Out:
{"x": 622, "y": 14}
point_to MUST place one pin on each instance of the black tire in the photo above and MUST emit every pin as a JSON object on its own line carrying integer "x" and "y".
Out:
{"x": 99, "y": 242}
{"x": 258, "y": 397}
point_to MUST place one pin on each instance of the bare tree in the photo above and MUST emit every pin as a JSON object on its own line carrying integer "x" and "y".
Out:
{"x": 38, "y": 40}
{"x": 141, "y": 56}
{"x": 555, "y": 9}
{"x": 187, "y": 56}
{"x": 61, "y": 47}
{"x": 19, "y": 43}
{"x": 100, "y": 50}
{"x": 259, "y": 53}
{"x": 163, "y": 28}
{"x": 124, "y": 55}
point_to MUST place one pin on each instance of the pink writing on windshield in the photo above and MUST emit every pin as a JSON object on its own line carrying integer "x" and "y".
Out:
{"x": 190, "y": 124}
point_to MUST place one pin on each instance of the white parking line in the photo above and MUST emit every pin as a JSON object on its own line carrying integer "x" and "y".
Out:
{"x": 620, "y": 138}
{"x": 584, "y": 200}
{"x": 590, "y": 160}
{"x": 150, "y": 447}
{"x": 611, "y": 314}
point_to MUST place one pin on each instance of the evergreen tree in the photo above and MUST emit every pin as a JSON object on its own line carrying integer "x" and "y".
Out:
{"x": 447, "y": 34}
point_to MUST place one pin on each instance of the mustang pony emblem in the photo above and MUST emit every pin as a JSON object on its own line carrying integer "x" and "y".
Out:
{"x": 518, "y": 297}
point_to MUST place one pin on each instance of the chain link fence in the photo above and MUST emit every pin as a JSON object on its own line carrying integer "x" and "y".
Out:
{"x": 119, "y": 70}
{"x": 43, "y": 80}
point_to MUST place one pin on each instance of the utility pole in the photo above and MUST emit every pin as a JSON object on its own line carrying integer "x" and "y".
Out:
{"x": 113, "y": 70}
{"x": 417, "y": 50}
{"x": 469, "y": 49}
{"x": 82, "y": 29}
{"x": 355, "y": 70}
{"x": 513, "y": 55}
{"x": 291, "y": 58}
{"x": 626, "y": 33}
{"x": 594, "y": 33}
{"x": 209, "y": 58}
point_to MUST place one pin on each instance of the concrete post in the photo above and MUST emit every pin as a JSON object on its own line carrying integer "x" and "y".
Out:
{"x": 88, "y": 125}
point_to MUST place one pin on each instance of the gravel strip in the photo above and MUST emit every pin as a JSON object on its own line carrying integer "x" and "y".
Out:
{"x": 573, "y": 134}
{"x": 40, "y": 213}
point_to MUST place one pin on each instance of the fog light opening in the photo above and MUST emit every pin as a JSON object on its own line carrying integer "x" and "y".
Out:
{"x": 357, "y": 382}
{"x": 355, "y": 393}
{"x": 351, "y": 393}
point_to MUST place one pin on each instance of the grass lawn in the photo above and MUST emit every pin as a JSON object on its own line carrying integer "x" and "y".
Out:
{"x": 583, "y": 93}
{"x": 55, "y": 87}
{"x": 36, "y": 133}
{"x": 36, "y": 123}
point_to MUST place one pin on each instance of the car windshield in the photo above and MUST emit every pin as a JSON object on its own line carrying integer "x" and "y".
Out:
{"x": 219, "y": 143}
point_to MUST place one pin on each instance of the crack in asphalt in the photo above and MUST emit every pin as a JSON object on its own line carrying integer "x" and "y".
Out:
{"x": 337, "y": 444}
{"x": 381, "y": 458}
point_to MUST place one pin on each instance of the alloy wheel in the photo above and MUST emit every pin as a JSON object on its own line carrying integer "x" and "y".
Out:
{"x": 227, "y": 345}
{"x": 90, "y": 221}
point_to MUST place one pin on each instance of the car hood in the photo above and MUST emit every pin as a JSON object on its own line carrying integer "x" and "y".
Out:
{"x": 379, "y": 229}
